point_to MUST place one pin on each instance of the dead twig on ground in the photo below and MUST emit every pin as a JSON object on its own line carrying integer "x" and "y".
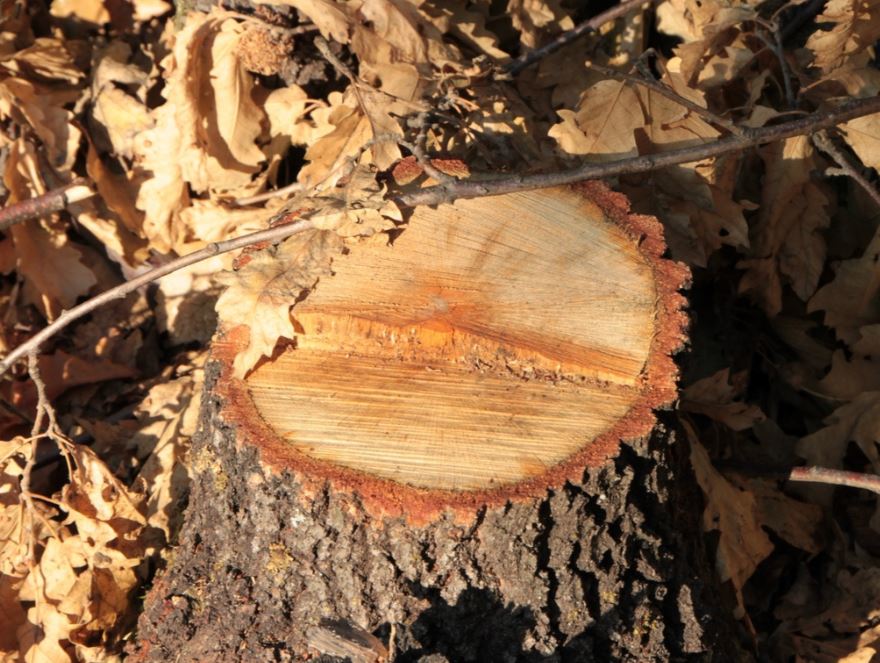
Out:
{"x": 827, "y": 475}
{"x": 50, "y": 202}
{"x": 449, "y": 191}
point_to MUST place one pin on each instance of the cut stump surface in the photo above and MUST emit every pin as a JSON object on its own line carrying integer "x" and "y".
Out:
{"x": 495, "y": 348}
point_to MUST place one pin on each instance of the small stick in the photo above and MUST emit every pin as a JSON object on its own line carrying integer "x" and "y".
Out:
{"x": 295, "y": 187}
{"x": 516, "y": 65}
{"x": 836, "y": 478}
{"x": 51, "y": 201}
{"x": 845, "y": 165}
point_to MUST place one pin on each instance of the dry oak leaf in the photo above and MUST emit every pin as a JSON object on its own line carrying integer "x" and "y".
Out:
{"x": 358, "y": 208}
{"x": 742, "y": 543}
{"x": 537, "y": 18}
{"x": 852, "y": 299}
{"x": 268, "y": 285}
{"x": 467, "y": 24}
{"x": 87, "y": 568}
{"x": 95, "y": 11}
{"x": 787, "y": 241}
{"x": 169, "y": 415}
{"x": 62, "y": 371}
{"x": 844, "y": 619}
{"x": 333, "y": 19}
{"x": 718, "y": 397}
{"x": 120, "y": 113}
{"x": 112, "y": 217}
{"x": 855, "y": 28}
{"x": 798, "y": 523}
{"x": 858, "y": 421}
{"x": 604, "y": 124}
{"x": 47, "y": 59}
{"x": 613, "y": 118}
{"x": 348, "y": 132}
{"x": 863, "y": 136}
{"x": 192, "y": 143}
{"x": 42, "y": 108}
{"x": 715, "y": 50}
{"x": 857, "y": 371}
{"x": 400, "y": 49}
{"x": 695, "y": 202}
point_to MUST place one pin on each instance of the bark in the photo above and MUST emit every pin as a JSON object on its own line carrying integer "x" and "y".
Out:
{"x": 611, "y": 567}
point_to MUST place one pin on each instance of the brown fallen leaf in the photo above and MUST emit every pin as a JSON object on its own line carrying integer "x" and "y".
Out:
{"x": 742, "y": 543}
{"x": 787, "y": 243}
{"x": 718, "y": 397}
{"x": 261, "y": 293}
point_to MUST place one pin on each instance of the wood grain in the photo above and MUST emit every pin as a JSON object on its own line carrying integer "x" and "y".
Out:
{"x": 492, "y": 340}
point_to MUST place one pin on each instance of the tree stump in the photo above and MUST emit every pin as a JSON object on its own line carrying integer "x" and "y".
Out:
{"x": 458, "y": 458}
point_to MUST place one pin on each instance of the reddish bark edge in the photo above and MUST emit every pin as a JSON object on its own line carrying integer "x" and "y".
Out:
{"x": 388, "y": 499}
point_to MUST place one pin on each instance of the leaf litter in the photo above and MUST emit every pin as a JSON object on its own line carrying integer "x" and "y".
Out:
{"x": 175, "y": 119}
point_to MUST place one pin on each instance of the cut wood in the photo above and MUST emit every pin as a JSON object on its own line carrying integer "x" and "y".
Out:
{"x": 432, "y": 455}
{"x": 495, "y": 348}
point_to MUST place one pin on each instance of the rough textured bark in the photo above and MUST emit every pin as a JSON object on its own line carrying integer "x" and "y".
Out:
{"x": 296, "y": 546}
{"x": 607, "y": 568}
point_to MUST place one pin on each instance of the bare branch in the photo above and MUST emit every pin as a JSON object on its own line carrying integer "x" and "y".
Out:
{"x": 809, "y": 124}
{"x": 516, "y": 65}
{"x": 52, "y": 201}
{"x": 836, "y": 478}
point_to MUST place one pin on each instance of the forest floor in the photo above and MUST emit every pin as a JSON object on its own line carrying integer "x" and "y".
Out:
{"x": 174, "y": 132}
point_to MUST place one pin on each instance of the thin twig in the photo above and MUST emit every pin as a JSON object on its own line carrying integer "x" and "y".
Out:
{"x": 295, "y": 187}
{"x": 516, "y": 65}
{"x": 50, "y": 202}
{"x": 448, "y": 192}
{"x": 669, "y": 93}
{"x": 836, "y": 478}
{"x": 845, "y": 165}
{"x": 774, "y": 43}
{"x": 443, "y": 193}
{"x": 120, "y": 291}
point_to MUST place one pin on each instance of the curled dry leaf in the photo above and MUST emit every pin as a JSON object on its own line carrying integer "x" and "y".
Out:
{"x": 72, "y": 589}
{"x": 848, "y": 28}
{"x": 192, "y": 144}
